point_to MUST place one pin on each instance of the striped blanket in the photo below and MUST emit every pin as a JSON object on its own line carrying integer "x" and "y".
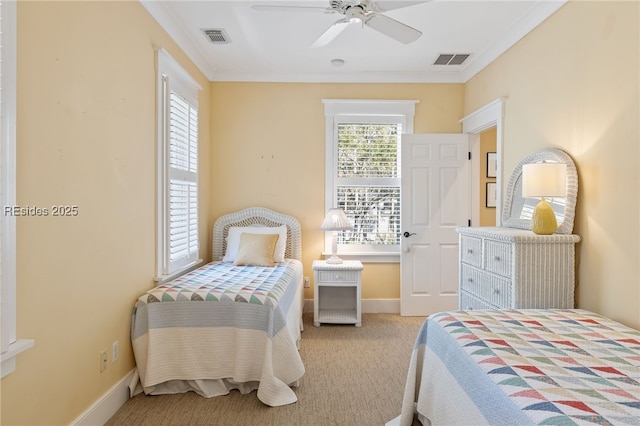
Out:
{"x": 544, "y": 367}
{"x": 222, "y": 327}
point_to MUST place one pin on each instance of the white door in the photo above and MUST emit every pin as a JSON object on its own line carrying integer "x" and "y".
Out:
{"x": 435, "y": 198}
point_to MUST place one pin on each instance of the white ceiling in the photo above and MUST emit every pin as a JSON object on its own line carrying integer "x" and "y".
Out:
{"x": 275, "y": 45}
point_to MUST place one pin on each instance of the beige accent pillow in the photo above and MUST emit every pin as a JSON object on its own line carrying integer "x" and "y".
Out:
{"x": 233, "y": 240}
{"x": 256, "y": 249}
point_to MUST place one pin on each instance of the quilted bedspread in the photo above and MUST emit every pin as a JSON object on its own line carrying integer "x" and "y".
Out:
{"x": 545, "y": 367}
{"x": 222, "y": 327}
{"x": 220, "y": 281}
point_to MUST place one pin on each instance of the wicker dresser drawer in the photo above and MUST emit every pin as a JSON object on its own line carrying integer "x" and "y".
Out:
{"x": 471, "y": 250}
{"x": 469, "y": 302}
{"x": 486, "y": 286}
{"x": 497, "y": 257}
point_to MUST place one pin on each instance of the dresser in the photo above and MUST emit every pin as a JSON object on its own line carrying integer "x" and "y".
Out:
{"x": 503, "y": 268}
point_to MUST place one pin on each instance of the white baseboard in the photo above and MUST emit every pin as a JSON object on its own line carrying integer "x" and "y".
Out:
{"x": 369, "y": 306}
{"x": 106, "y": 406}
{"x": 393, "y": 422}
{"x": 381, "y": 306}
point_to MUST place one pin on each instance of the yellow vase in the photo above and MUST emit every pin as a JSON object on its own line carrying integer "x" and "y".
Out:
{"x": 544, "y": 219}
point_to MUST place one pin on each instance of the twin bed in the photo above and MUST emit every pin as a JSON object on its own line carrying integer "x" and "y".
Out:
{"x": 234, "y": 323}
{"x": 522, "y": 367}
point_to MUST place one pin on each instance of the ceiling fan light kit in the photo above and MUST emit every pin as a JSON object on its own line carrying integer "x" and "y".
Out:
{"x": 368, "y": 13}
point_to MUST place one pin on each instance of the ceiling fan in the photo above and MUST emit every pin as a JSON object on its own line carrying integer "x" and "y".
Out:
{"x": 368, "y": 13}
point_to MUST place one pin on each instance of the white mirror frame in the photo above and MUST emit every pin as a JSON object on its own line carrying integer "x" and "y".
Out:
{"x": 565, "y": 226}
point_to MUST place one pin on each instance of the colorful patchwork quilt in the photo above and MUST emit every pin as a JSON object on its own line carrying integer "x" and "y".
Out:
{"x": 226, "y": 282}
{"x": 544, "y": 367}
{"x": 221, "y": 327}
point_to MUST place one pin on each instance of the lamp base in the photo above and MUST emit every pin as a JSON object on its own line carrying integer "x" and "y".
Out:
{"x": 544, "y": 219}
{"x": 334, "y": 260}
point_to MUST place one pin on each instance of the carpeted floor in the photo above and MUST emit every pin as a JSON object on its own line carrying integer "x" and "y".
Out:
{"x": 354, "y": 376}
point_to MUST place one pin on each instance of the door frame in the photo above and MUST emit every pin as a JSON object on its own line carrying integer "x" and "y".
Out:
{"x": 484, "y": 118}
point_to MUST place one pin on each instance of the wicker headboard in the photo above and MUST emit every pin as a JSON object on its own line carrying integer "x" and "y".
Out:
{"x": 257, "y": 216}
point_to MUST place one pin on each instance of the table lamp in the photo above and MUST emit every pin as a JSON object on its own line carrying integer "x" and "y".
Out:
{"x": 335, "y": 220}
{"x": 540, "y": 180}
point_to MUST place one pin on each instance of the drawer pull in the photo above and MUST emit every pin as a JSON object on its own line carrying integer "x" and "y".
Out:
{"x": 496, "y": 291}
{"x": 496, "y": 258}
{"x": 469, "y": 251}
{"x": 470, "y": 279}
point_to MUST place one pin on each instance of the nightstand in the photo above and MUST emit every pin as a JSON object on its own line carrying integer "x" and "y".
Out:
{"x": 337, "y": 292}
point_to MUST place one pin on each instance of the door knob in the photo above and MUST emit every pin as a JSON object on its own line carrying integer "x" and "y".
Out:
{"x": 407, "y": 234}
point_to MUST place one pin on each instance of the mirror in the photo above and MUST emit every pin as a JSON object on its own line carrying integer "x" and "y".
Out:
{"x": 517, "y": 211}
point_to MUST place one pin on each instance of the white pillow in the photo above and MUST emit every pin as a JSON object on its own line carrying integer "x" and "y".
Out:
{"x": 233, "y": 240}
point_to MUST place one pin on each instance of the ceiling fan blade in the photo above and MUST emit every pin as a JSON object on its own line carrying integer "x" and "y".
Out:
{"x": 331, "y": 33}
{"x": 387, "y": 5}
{"x": 285, "y": 8}
{"x": 392, "y": 28}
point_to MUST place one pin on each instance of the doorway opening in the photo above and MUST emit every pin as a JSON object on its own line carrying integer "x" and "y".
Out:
{"x": 485, "y": 123}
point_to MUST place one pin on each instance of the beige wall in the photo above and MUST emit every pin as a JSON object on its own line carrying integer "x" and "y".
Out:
{"x": 269, "y": 146}
{"x": 488, "y": 143}
{"x": 85, "y": 137}
{"x": 573, "y": 83}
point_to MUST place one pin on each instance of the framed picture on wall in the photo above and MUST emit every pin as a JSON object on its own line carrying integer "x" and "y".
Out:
{"x": 492, "y": 164}
{"x": 491, "y": 195}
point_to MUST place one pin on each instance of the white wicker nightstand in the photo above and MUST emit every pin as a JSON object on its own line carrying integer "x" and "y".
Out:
{"x": 337, "y": 292}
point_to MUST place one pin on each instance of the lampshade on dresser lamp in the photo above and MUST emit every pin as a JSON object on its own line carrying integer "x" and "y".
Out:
{"x": 544, "y": 180}
{"x": 335, "y": 220}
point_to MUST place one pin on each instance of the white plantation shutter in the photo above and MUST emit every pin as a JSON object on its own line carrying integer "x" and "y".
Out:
{"x": 178, "y": 172}
{"x": 183, "y": 183}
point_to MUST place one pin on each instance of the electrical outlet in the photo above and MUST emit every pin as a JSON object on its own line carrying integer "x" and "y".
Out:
{"x": 307, "y": 283}
{"x": 115, "y": 351}
{"x": 103, "y": 360}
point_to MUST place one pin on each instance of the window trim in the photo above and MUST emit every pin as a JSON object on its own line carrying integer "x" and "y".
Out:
{"x": 186, "y": 87}
{"x": 336, "y": 110}
{"x": 10, "y": 345}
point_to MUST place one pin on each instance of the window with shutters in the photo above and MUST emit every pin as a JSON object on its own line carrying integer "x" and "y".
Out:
{"x": 178, "y": 248}
{"x": 363, "y": 141}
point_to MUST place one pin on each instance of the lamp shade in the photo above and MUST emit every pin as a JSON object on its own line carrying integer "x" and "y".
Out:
{"x": 335, "y": 220}
{"x": 544, "y": 180}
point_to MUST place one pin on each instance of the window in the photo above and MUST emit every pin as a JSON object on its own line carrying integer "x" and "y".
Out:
{"x": 10, "y": 345}
{"x": 363, "y": 173}
{"x": 178, "y": 245}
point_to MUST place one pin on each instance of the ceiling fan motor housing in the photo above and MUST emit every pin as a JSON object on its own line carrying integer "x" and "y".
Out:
{"x": 355, "y": 14}
{"x": 356, "y": 9}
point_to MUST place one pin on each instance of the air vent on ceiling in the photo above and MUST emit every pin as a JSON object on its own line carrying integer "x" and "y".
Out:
{"x": 451, "y": 59}
{"x": 216, "y": 35}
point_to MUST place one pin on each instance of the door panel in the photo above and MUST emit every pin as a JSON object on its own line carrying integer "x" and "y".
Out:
{"x": 435, "y": 201}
